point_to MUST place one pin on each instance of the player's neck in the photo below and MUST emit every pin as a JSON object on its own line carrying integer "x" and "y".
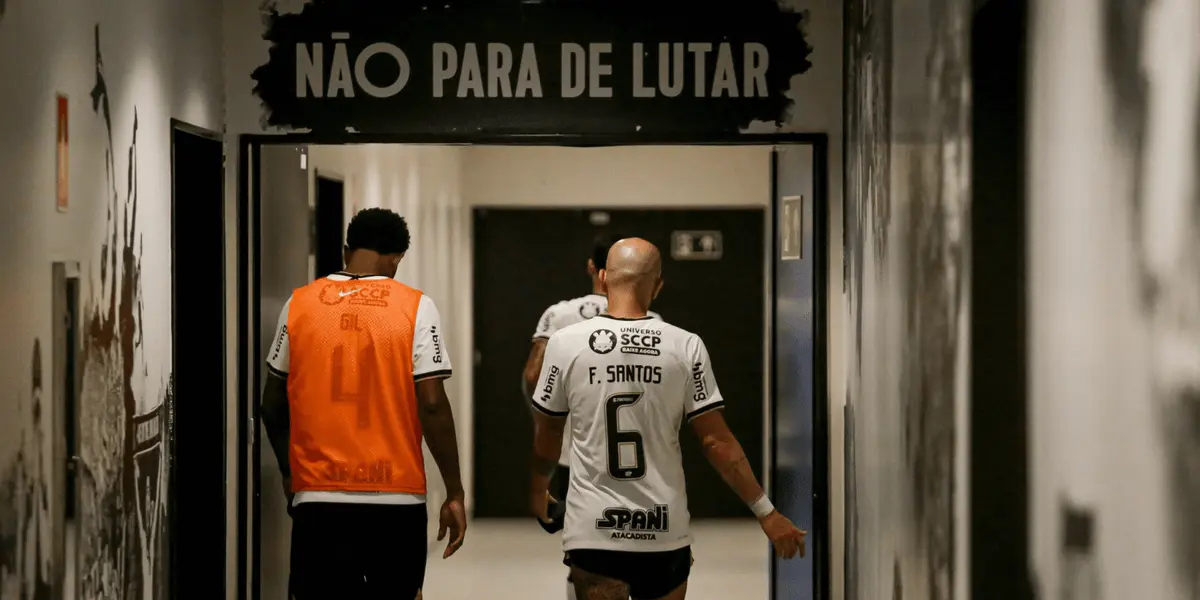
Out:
{"x": 625, "y": 306}
{"x": 362, "y": 268}
{"x": 597, "y": 288}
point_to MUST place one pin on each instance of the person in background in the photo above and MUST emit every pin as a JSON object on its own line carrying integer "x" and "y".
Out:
{"x": 628, "y": 380}
{"x": 355, "y": 382}
{"x": 563, "y": 314}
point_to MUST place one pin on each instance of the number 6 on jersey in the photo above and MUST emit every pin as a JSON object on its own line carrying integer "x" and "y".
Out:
{"x": 619, "y": 469}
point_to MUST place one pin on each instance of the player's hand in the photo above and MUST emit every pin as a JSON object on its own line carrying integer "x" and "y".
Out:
{"x": 539, "y": 505}
{"x": 787, "y": 539}
{"x": 453, "y": 521}
{"x": 288, "y": 493}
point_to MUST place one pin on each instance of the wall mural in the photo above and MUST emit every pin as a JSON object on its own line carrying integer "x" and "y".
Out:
{"x": 25, "y": 543}
{"x": 1131, "y": 397}
{"x": 1168, "y": 276}
{"x": 906, "y": 202}
{"x": 123, "y": 522}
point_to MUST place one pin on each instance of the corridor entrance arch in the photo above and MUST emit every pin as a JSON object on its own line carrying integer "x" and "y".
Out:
{"x": 581, "y": 73}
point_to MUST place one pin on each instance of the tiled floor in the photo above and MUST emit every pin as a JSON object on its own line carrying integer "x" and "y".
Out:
{"x": 505, "y": 560}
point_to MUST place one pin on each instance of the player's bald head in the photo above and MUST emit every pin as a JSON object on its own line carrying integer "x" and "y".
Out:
{"x": 633, "y": 262}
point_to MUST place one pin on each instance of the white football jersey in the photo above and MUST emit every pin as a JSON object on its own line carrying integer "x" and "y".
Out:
{"x": 628, "y": 385}
{"x": 567, "y": 313}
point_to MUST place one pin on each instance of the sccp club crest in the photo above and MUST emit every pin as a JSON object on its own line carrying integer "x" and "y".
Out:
{"x": 602, "y": 341}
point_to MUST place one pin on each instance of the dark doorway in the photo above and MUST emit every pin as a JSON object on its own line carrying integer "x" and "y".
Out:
{"x": 999, "y": 474}
{"x": 196, "y": 407}
{"x": 330, "y": 224}
{"x": 65, "y": 466}
{"x": 721, "y": 300}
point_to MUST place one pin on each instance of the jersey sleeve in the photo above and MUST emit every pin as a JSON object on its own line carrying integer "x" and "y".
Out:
{"x": 429, "y": 343}
{"x": 280, "y": 356}
{"x": 547, "y": 325}
{"x": 550, "y": 395}
{"x": 701, "y": 393}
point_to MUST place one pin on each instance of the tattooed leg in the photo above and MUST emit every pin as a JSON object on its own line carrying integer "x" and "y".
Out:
{"x": 589, "y": 586}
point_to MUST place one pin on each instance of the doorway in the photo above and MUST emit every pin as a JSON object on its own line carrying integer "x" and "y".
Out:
{"x": 196, "y": 404}
{"x": 506, "y": 310}
{"x": 65, "y": 470}
{"x": 999, "y": 494}
{"x": 329, "y": 223}
{"x": 261, "y": 228}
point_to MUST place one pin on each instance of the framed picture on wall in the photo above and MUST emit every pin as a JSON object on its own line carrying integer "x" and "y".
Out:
{"x": 62, "y": 200}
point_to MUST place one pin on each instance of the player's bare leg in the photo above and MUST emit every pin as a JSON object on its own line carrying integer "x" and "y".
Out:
{"x": 589, "y": 586}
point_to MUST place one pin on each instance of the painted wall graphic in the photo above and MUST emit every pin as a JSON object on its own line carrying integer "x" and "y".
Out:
{"x": 25, "y": 542}
{"x": 1114, "y": 313}
{"x": 123, "y": 541}
{"x": 507, "y": 66}
{"x": 906, "y": 203}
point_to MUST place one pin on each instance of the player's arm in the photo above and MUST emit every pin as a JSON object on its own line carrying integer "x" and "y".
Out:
{"x": 533, "y": 366}
{"x": 431, "y": 367}
{"x": 549, "y": 419}
{"x": 705, "y": 412}
{"x": 276, "y": 417}
{"x": 537, "y": 352}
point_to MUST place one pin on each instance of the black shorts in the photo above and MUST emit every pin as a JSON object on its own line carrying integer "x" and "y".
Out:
{"x": 649, "y": 575}
{"x": 344, "y": 550}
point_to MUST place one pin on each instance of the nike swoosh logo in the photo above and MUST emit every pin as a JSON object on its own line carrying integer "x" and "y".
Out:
{"x": 344, "y": 294}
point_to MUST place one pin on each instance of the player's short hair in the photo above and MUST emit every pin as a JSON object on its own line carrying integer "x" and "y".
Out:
{"x": 600, "y": 247}
{"x": 378, "y": 229}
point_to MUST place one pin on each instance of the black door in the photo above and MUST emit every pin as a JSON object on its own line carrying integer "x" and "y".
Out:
{"x": 330, "y": 224}
{"x": 525, "y": 260}
{"x": 197, "y": 406}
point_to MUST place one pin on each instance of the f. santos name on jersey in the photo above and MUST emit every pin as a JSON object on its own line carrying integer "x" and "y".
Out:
{"x": 635, "y": 523}
{"x": 627, "y": 374}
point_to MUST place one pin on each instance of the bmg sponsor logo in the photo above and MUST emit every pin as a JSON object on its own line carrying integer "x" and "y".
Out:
{"x": 635, "y": 523}
{"x": 699, "y": 389}
{"x": 437, "y": 344}
{"x": 551, "y": 380}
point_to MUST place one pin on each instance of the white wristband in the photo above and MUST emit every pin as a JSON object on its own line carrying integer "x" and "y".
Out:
{"x": 762, "y": 507}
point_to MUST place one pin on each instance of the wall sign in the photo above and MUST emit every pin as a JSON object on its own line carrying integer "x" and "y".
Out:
{"x": 791, "y": 228}
{"x": 512, "y": 66}
{"x": 696, "y": 245}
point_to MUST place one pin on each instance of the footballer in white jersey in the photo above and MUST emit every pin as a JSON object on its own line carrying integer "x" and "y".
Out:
{"x": 628, "y": 385}
{"x": 557, "y": 316}
{"x": 628, "y": 382}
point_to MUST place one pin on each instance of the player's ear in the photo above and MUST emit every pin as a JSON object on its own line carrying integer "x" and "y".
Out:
{"x": 592, "y": 268}
{"x": 658, "y": 287}
{"x": 603, "y": 274}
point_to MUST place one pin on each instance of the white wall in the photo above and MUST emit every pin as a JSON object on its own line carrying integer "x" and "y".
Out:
{"x": 618, "y": 176}
{"x": 160, "y": 60}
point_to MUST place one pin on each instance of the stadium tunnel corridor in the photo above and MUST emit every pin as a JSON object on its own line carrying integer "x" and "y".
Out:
{"x": 943, "y": 252}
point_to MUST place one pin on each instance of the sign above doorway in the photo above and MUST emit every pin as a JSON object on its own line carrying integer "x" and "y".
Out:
{"x": 511, "y": 67}
{"x": 696, "y": 245}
